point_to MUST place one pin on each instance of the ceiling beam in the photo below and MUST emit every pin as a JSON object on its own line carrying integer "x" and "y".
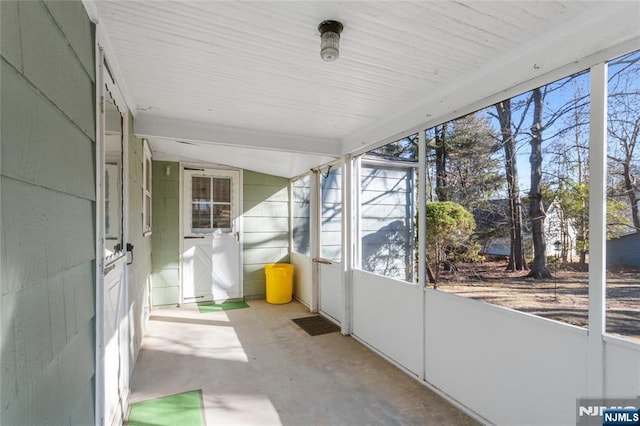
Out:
{"x": 276, "y": 163}
{"x": 154, "y": 127}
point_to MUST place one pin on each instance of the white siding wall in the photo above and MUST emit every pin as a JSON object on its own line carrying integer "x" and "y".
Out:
{"x": 387, "y": 220}
{"x": 331, "y": 207}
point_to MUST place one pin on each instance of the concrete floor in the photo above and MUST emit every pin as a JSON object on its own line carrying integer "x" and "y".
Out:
{"x": 256, "y": 367}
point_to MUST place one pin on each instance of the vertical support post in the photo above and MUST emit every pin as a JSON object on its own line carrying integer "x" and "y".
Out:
{"x": 124, "y": 350}
{"x": 597, "y": 230}
{"x": 347, "y": 240}
{"x": 356, "y": 260}
{"x": 99, "y": 282}
{"x": 314, "y": 237}
{"x": 422, "y": 214}
{"x": 421, "y": 182}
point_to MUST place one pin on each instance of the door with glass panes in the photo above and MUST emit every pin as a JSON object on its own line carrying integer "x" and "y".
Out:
{"x": 211, "y": 268}
{"x": 112, "y": 323}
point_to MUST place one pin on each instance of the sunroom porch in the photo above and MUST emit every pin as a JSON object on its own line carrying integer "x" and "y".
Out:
{"x": 254, "y": 365}
{"x": 158, "y": 154}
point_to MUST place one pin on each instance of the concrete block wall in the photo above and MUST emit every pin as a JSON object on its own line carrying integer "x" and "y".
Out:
{"x": 266, "y": 228}
{"x": 47, "y": 179}
{"x": 165, "y": 240}
{"x": 139, "y": 271}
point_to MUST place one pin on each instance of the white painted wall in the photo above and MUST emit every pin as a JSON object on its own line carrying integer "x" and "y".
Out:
{"x": 302, "y": 278}
{"x": 621, "y": 368}
{"x": 331, "y": 291}
{"x": 387, "y": 315}
{"x": 510, "y": 367}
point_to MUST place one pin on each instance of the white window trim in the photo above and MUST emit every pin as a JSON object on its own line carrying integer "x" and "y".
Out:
{"x": 147, "y": 186}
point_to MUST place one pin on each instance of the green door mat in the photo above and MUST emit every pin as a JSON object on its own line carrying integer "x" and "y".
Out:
{"x": 222, "y": 306}
{"x": 183, "y": 409}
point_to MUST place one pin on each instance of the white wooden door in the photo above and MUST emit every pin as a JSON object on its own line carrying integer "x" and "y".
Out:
{"x": 115, "y": 341}
{"x": 211, "y": 247}
{"x": 330, "y": 263}
{"x": 112, "y": 321}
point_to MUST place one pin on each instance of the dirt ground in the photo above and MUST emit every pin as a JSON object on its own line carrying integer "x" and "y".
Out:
{"x": 562, "y": 298}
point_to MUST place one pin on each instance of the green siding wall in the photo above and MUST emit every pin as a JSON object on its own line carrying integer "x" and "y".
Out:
{"x": 165, "y": 240}
{"x": 47, "y": 181}
{"x": 139, "y": 272}
{"x": 266, "y": 228}
{"x": 266, "y": 231}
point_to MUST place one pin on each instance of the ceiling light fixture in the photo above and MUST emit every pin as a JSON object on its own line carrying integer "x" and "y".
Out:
{"x": 330, "y": 40}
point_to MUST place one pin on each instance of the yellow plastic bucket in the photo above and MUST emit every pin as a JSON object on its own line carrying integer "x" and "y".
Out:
{"x": 279, "y": 282}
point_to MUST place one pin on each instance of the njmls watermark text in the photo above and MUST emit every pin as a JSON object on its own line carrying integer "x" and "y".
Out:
{"x": 608, "y": 412}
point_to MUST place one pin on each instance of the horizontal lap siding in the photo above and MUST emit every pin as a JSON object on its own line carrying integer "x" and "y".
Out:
{"x": 300, "y": 216}
{"x": 331, "y": 194}
{"x": 387, "y": 217}
{"x": 139, "y": 271}
{"x": 265, "y": 228}
{"x": 48, "y": 213}
{"x": 624, "y": 251}
{"x": 165, "y": 257}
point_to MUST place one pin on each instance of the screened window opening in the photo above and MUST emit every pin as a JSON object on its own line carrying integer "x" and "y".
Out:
{"x": 300, "y": 219}
{"x": 388, "y": 209}
{"x": 331, "y": 186}
{"x": 623, "y": 197}
{"x": 508, "y": 202}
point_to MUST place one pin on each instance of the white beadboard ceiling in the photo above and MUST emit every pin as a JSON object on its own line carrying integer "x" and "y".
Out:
{"x": 247, "y": 75}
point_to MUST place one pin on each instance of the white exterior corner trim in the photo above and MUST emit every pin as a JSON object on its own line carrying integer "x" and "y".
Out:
{"x": 103, "y": 41}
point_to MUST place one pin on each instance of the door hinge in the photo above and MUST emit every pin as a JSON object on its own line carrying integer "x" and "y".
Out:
{"x": 101, "y": 104}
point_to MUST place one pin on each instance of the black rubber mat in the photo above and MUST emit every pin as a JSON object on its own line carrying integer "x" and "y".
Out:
{"x": 316, "y": 325}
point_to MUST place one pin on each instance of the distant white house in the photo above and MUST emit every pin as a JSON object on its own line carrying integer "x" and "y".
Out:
{"x": 492, "y": 228}
{"x": 559, "y": 229}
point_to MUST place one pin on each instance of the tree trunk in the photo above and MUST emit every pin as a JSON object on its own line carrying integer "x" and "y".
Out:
{"x": 517, "y": 261}
{"x": 536, "y": 208}
{"x": 631, "y": 193}
{"x": 441, "y": 162}
{"x": 431, "y": 277}
{"x": 582, "y": 235}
